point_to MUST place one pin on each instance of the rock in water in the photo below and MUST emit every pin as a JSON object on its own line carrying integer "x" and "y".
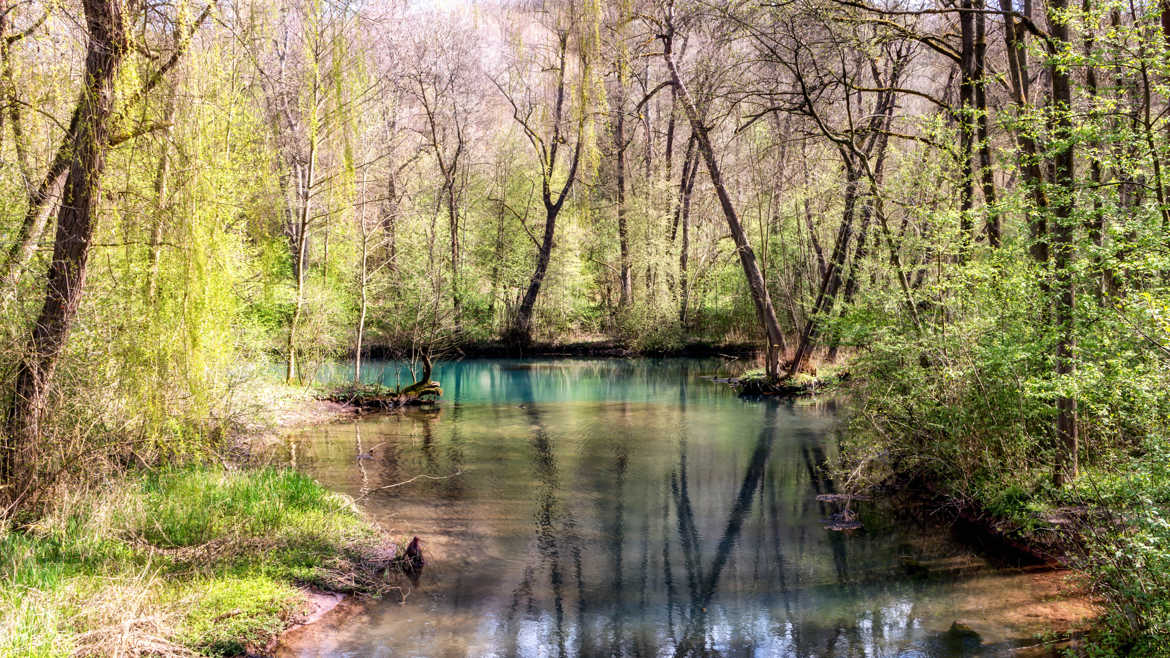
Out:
{"x": 962, "y": 638}
{"x": 959, "y": 629}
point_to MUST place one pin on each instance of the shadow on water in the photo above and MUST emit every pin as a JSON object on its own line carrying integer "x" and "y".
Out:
{"x": 632, "y": 509}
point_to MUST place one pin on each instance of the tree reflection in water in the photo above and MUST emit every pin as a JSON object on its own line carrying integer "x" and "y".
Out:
{"x": 623, "y": 508}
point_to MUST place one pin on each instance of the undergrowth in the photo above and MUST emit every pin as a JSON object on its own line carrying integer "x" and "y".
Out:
{"x": 969, "y": 414}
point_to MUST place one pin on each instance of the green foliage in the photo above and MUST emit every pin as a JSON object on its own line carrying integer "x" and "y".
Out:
{"x": 234, "y": 614}
{"x": 967, "y": 403}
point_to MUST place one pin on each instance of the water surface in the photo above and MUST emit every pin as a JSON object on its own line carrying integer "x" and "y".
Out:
{"x": 604, "y": 507}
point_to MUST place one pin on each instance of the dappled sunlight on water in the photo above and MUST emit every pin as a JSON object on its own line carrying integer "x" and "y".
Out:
{"x": 575, "y": 507}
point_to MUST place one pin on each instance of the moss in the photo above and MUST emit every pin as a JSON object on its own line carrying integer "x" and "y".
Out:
{"x": 196, "y": 558}
{"x": 757, "y": 383}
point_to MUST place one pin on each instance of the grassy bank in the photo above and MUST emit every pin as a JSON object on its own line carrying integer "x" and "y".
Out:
{"x": 193, "y": 560}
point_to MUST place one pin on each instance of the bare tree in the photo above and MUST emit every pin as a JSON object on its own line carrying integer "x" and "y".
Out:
{"x": 759, "y": 289}
{"x": 440, "y": 76}
{"x": 297, "y": 69}
{"x": 550, "y": 133}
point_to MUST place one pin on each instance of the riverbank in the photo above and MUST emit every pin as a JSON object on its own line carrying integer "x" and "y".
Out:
{"x": 1108, "y": 529}
{"x": 181, "y": 561}
{"x": 196, "y": 560}
{"x": 596, "y": 346}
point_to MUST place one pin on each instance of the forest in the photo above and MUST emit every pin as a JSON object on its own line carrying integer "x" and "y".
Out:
{"x": 961, "y": 205}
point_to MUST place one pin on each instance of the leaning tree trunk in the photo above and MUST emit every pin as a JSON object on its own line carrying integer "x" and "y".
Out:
{"x": 363, "y": 298}
{"x": 747, "y": 257}
{"x": 520, "y": 331}
{"x": 687, "y": 185}
{"x": 36, "y": 218}
{"x": 831, "y": 280}
{"x": 65, "y": 279}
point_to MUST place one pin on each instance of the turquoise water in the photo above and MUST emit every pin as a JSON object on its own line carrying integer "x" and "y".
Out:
{"x": 631, "y": 507}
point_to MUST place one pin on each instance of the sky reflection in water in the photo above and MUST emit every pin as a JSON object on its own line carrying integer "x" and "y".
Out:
{"x": 633, "y": 508}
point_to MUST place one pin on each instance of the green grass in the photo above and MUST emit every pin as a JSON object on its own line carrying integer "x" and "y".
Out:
{"x": 180, "y": 560}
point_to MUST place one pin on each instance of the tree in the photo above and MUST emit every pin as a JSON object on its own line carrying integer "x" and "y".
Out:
{"x": 90, "y": 135}
{"x": 300, "y": 67}
{"x": 566, "y": 126}
{"x": 759, "y": 290}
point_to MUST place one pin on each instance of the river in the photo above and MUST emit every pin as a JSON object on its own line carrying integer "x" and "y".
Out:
{"x": 630, "y": 507}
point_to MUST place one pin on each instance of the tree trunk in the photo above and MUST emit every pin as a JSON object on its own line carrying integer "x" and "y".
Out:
{"x": 161, "y": 201}
{"x": 363, "y": 286}
{"x": 812, "y": 236}
{"x": 1095, "y": 224}
{"x": 966, "y": 123}
{"x": 1064, "y": 251}
{"x": 65, "y": 279}
{"x": 8, "y": 94}
{"x": 453, "y": 223}
{"x": 867, "y": 211}
{"x": 690, "y": 169}
{"x": 759, "y": 290}
{"x": 521, "y": 331}
{"x": 626, "y": 285}
{"x": 831, "y": 281}
{"x": 36, "y": 218}
{"x": 986, "y": 173}
{"x": 497, "y": 258}
{"x": 306, "y": 181}
{"x": 390, "y": 224}
{"x": 1030, "y": 158}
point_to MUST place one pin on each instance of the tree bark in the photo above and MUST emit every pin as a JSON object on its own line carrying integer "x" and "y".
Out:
{"x": 986, "y": 173}
{"x": 306, "y": 180}
{"x": 690, "y": 169}
{"x": 966, "y": 123}
{"x": 1030, "y": 158}
{"x": 521, "y": 330}
{"x": 363, "y": 286}
{"x": 831, "y": 280}
{"x": 626, "y": 285}
{"x": 867, "y": 211}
